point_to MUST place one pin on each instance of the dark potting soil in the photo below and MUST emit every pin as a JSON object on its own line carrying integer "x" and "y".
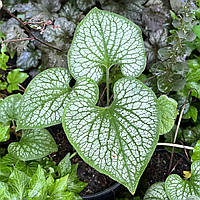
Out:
{"x": 156, "y": 171}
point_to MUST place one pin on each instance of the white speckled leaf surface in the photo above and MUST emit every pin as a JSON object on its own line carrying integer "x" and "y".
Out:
{"x": 179, "y": 189}
{"x": 103, "y": 39}
{"x": 34, "y": 144}
{"x": 47, "y": 95}
{"x": 156, "y": 192}
{"x": 9, "y": 108}
{"x": 117, "y": 140}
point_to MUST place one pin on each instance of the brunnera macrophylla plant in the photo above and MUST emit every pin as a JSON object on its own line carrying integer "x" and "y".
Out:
{"x": 118, "y": 139}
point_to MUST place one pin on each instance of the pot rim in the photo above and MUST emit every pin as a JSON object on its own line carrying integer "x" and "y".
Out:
{"x": 104, "y": 192}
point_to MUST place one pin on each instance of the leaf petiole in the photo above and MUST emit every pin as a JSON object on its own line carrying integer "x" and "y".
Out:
{"x": 107, "y": 85}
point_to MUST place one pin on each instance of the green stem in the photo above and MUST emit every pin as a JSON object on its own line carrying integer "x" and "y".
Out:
{"x": 107, "y": 86}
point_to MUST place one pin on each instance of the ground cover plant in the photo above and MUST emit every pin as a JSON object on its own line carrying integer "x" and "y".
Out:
{"x": 115, "y": 129}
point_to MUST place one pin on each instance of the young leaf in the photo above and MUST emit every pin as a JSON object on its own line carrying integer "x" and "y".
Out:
{"x": 18, "y": 183}
{"x": 4, "y": 132}
{"x": 34, "y": 144}
{"x": 103, "y": 39}
{"x": 178, "y": 189}
{"x": 37, "y": 183}
{"x": 196, "y": 152}
{"x": 117, "y": 140}
{"x": 64, "y": 166}
{"x": 14, "y": 78}
{"x": 58, "y": 190}
{"x": 9, "y": 108}
{"x": 156, "y": 192}
{"x": 73, "y": 183}
{"x": 3, "y": 85}
{"x": 46, "y": 96}
{"x": 168, "y": 112}
{"x": 191, "y": 113}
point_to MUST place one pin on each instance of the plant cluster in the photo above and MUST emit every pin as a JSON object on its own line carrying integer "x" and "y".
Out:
{"x": 40, "y": 179}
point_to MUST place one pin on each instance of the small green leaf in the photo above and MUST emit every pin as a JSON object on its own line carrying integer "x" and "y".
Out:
{"x": 168, "y": 112}
{"x": 3, "y": 85}
{"x": 73, "y": 183}
{"x": 34, "y": 144}
{"x": 14, "y": 78}
{"x": 58, "y": 190}
{"x": 37, "y": 183}
{"x": 5, "y": 172}
{"x": 194, "y": 70}
{"x": 196, "y": 152}
{"x": 64, "y": 166}
{"x": 117, "y": 140}
{"x": 156, "y": 192}
{"x": 9, "y": 108}
{"x": 103, "y": 39}
{"x": 196, "y": 30}
{"x": 4, "y": 132}
{"x": 179, "y": 189}
{"x": 5, "y": 194}
{"x": 46, "y": 96}
{"x": 191, "y": 113}
{"x": 18, "y": 183}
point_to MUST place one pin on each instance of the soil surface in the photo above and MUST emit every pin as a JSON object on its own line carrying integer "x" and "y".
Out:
{"x": 157, "y": 169}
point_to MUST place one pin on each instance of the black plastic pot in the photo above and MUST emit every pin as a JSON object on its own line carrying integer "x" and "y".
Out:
{"x": 108, "y": 194}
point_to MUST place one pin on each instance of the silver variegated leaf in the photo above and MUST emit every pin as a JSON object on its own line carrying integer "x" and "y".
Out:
{"x": 46, "y": 96}
{"x": 9, "y": 108}
{"x": 117, "y": 140}
{"x": 156, "y": 192}
{"x": 34, "y": 144}
{"x": 103, "y": 39}
{"x": 179, "y": 189}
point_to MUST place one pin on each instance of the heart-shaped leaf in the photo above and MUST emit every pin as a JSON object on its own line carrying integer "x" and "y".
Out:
{"x": 168, "y": 112}
{"x": 34, "y": 144}
{"x": 14, "y": 78}
{"x": 103, "y": 39}
{"x": 46, "y": 96}
{"x": 9, "y": 108}
{"x": 178, "y": 189}
{"x": 117, "y": 140}
{"x": 156, "y": 192}
{"x": 196, "y": 152}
